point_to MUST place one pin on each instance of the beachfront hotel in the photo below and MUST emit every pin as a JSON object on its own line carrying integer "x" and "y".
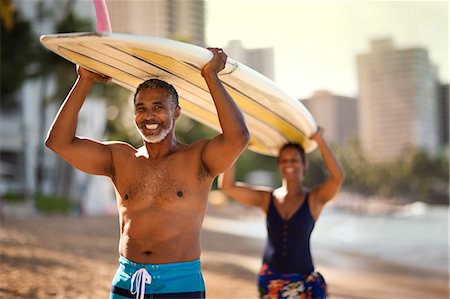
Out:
{"x": 398, "y": 100}
{"x": 174, "y": 19}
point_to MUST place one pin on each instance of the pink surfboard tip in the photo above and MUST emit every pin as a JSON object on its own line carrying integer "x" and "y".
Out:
{"x": 103, "y": 23}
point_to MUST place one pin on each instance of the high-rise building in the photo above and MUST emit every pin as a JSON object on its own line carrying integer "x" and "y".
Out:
{"x": 182, "y": 20}
{"x": 338, "y": 115}
{"x": 397, "y": 100}
{"x": 259, "y": 59}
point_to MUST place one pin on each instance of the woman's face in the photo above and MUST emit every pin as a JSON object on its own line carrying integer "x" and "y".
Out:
{"x": 290, "y": 164}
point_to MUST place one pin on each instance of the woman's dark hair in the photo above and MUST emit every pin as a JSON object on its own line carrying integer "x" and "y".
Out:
{"x": 156, "y": 83}
{"x": 296, "y": 146}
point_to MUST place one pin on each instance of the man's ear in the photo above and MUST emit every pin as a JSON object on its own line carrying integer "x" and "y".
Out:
{"x": 177, "y": 112}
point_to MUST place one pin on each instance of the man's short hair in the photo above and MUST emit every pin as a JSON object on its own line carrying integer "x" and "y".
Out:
{"x": 156, "y": 83}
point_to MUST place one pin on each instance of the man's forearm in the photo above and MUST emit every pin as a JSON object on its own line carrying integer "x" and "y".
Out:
{"x": 230, "y": 117}
{"x": 64, "y": 126}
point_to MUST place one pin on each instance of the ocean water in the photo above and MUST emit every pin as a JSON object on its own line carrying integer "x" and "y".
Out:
{"x": 416, "y": 235}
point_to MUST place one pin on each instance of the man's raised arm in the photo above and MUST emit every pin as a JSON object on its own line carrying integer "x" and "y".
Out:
{"x": 223, "y": 150}
{"x": 86, "y": 155}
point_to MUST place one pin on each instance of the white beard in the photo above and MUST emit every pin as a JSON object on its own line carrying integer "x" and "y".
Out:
{"x": 157, "y": 138}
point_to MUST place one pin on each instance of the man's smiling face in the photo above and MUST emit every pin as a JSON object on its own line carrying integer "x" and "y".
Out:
{"x": 154, "y": 114}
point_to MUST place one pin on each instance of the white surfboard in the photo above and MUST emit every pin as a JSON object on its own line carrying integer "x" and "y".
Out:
{"x": 272, "y": 116}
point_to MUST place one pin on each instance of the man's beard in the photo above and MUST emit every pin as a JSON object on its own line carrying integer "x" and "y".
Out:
{"x": 159, "y": 137}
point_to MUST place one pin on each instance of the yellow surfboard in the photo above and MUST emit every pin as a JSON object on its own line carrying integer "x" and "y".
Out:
{"x": 272, "y": 116}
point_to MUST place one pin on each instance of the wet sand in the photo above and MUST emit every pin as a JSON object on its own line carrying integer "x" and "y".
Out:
{"x": 76, "y": 257}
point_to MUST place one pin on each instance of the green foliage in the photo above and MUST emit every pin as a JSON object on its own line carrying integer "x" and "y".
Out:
{"x": 52, "y": 205}
{"x": 120, "y": 123}
{"x": 17, "y": 52}
{"x": 13, "y": 197}
{"x": 415, "y": 175}
{"x": 23, "y": 57}
{"x": 250, "y": 161}
{"x": 189, "y": 130}
{"x": 316, "y": 172}
{"x": 54, "y": 65}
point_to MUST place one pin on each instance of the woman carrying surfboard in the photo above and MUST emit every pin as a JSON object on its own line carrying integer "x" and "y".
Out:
{"x": 291, "y": 212}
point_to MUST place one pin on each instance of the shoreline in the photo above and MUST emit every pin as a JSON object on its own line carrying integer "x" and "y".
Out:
{"x": 76, "y": 257}
{"x": 348, "y": 274}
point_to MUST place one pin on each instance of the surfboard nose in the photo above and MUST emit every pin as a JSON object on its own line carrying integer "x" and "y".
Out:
{"x": 103, "y": 22}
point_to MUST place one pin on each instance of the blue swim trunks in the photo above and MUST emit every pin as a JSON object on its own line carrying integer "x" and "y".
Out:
{"x": 148, "y": 281}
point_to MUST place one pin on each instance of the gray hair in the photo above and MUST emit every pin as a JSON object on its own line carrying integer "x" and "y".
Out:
{"x": 156, "y": 83}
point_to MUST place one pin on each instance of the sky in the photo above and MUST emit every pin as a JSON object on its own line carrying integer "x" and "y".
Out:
{"x": 316, "y": 42}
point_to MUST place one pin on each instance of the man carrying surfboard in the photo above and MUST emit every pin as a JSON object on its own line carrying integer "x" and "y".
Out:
{"x": 161, "y": 187}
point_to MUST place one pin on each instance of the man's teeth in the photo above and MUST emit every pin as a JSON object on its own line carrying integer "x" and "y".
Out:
{"x": 151, "y": 126}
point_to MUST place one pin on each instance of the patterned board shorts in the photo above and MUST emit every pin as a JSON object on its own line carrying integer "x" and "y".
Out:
{"x": 153, "y": 281}
{"x": 275, "y": 285}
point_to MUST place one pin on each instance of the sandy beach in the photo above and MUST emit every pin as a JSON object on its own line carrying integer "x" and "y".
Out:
{"x": 76, "y": 257}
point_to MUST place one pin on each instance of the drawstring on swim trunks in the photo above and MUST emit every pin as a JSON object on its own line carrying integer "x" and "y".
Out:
{"x": 142, "y": 277}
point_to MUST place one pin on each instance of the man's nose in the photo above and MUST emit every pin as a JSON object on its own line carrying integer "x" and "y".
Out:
{"x": 149, "y": 114}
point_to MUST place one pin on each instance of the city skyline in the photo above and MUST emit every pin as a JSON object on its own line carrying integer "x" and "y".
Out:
{"x": 398, "y": 101}
{"x": 330, "y": 35}
{"x": 26, "y": 162}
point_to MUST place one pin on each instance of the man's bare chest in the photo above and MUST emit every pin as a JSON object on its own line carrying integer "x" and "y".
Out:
{"x": 157, "y": 181}
{"x": 166, "y": 180}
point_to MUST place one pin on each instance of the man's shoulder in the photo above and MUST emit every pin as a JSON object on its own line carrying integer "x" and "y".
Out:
{"x": 195, "y": 146}
{"x": 120, "y": 146}
{"x": 191, "y": 151}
